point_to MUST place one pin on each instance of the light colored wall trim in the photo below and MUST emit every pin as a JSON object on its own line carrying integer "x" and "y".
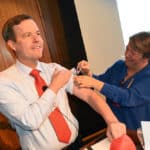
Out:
{"x": 101, "y": 32}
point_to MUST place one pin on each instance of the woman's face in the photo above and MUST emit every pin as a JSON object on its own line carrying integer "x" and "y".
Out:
{"x": 134, "y": 58}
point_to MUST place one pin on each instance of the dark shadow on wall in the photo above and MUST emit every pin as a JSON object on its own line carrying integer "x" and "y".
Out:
{"x": 75, "y": 45}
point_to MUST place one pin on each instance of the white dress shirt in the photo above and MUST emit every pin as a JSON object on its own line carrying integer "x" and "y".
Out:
{"x": 28, "y": 113}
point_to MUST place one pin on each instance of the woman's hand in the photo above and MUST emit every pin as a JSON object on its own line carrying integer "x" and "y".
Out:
{"x": 84, "y": 67}
{"x": 59, "y": 79}
{"x": 88, "y": 82}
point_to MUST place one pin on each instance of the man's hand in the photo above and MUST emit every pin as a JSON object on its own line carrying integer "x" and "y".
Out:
{"x": 115, "y": 130}
{"x": 59, "y": 79}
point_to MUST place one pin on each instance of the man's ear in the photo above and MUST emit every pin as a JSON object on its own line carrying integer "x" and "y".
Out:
{"x": 11, "y": 45}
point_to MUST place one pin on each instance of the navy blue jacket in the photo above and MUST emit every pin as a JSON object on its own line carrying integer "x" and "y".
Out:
{"x": 130, "y": 101}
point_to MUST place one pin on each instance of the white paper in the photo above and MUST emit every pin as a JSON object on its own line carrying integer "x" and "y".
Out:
{"x": 146, "y": 134}
{"x": 102, "y": 145}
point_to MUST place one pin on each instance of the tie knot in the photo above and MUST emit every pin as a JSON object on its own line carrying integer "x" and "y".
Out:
{"x": 34, "y": 73}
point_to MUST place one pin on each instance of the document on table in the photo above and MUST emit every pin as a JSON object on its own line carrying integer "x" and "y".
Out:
{"x": 102, "y": 145}
{"x": 146, "y": 134}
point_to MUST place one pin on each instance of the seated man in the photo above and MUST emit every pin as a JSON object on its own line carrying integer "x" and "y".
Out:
{"x": 33, "y": 92}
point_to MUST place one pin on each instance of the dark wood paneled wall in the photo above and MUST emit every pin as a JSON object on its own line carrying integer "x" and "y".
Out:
{"x": 63, "y": 32}
{"x": 54, "y": 31}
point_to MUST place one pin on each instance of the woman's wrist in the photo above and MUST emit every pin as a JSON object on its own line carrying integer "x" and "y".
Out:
{"x": 99, "y": 85}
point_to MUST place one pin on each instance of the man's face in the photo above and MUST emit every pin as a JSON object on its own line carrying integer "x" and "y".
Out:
{"x": 29, "y": 43}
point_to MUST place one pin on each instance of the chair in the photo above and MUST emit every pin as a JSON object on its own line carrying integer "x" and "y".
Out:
{"x": 8, "y": 138}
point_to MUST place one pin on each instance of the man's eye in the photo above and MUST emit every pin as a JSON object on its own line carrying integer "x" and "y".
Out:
{"x": 38, "y": 33}
{"x": 27, "y": 35}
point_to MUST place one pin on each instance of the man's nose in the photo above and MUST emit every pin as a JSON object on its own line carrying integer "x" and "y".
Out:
{"x": 35, "y": 38}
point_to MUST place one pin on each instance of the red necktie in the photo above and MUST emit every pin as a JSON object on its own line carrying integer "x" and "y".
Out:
{"x": 56, "y": 118}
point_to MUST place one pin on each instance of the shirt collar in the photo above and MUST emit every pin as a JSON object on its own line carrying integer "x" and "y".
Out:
{"x": 27, "y": 69}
